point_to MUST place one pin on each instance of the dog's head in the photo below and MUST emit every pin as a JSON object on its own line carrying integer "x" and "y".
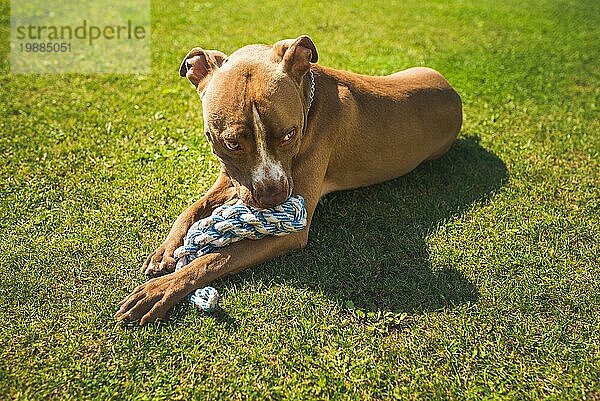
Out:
{"x": 255, "y": 104}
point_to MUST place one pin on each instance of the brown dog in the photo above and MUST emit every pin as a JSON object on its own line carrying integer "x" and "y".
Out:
{"x": 280, "y": 124}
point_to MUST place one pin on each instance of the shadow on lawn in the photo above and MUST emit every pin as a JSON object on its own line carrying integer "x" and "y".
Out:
{"x": 369, "y": 245}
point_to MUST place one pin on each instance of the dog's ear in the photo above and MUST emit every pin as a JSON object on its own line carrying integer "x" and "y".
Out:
{"x": 296, "y": 55}
{"x": 199, "y": 65}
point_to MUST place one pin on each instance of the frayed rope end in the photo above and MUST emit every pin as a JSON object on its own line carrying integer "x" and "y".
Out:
{"x": 206, "y": 299}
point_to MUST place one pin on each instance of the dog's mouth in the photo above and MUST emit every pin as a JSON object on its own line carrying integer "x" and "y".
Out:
{"x": 264, "y": 197}
{"x": 265, "y": 201}
{"x": 269, "y": 201}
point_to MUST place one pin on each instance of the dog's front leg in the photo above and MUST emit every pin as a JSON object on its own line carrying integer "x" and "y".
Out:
{"x": 161, "y": 261}
{"x": 153, "y": 299}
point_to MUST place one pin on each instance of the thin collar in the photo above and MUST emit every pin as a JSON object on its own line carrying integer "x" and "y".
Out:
{"x": 311, "y": 96}
{"x": 312, "y": 90}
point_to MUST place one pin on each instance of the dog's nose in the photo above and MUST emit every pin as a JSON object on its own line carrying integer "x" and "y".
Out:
{"x": 271, "y": 196}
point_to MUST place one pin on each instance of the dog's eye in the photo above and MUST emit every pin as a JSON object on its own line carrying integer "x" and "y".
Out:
{"x": 232, "y": 145}
{"x": 288, "y": 136}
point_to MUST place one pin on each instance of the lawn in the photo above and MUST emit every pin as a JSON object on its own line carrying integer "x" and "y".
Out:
{"x": 476, "y": 276}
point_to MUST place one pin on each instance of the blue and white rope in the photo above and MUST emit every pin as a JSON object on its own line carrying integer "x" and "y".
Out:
{"x": 233, "y": 222}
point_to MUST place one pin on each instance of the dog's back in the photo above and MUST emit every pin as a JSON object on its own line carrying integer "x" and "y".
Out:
{"x": 394, "y": 123}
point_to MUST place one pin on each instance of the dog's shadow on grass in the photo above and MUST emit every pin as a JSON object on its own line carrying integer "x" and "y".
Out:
{"x": 369, "y": 245}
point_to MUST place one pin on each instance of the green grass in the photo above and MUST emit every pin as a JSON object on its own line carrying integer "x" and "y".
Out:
{"x": 474, "y": 277}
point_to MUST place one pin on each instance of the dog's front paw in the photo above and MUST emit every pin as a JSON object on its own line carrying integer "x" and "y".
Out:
{"x": 160, "y": 262}
{"x": 152, "y": 300}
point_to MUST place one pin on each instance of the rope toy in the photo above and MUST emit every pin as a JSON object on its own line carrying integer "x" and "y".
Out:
{"x": 233, "y": 222}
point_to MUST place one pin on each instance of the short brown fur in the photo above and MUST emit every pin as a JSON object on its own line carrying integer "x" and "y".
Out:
{"x": 360, "y": 130}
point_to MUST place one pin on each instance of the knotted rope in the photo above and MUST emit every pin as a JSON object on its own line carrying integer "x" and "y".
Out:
{"x": 233, "y": 222}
